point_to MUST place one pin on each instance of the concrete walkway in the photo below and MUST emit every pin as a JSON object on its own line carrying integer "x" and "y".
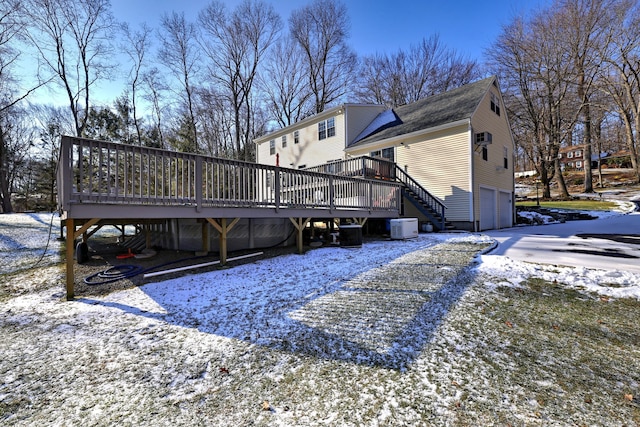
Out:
{"x": 611, "y": 243}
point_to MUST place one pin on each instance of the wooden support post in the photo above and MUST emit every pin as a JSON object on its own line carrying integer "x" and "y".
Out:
{"x": 300, "y": 224}
{"x": 72, "y": 235}
{"x": 223, "y": 228}
{"x": 360, "y": 221}
{"x": 70, "y": 225}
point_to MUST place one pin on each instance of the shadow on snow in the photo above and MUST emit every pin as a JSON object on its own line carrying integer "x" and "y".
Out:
{"x": 381, "y": 317}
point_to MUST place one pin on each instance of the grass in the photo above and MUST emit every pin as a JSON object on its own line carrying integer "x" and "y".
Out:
{"x": 578, "y": 205}
{"x": 563, "y": 356}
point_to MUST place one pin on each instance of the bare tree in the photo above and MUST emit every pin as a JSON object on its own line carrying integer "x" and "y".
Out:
{"x": 217, "y": 124}
{"x": 178, "y": 52}
{"x": 12, "y": 35}
{"x": 284, "y": 82}
{"x": 534, "y": 74}
{"x": 136, "y": 46}
{"x": 321, "y": 29}
{"x": 154, "y": 88}
{"x": 585, "y": 25}
{"x": 73, "y": 41}
{"x": 620, "y": 73}
{"x": 236, "y": 43}
{"x": 407, "y": 76}
{"x": 16, "y": 140}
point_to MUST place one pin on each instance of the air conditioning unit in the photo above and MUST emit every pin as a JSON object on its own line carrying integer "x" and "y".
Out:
{"x": 404, "y": 228}
{"x": 484, "y": 138}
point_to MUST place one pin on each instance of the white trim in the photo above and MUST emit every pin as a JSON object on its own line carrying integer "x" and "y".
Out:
{"x": 472, "y": 158}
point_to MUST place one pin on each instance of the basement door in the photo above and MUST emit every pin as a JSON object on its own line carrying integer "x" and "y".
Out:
{"x": 487, "y": 209}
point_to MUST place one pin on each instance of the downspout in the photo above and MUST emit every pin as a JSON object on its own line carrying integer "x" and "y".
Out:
{"x": 471, "y": 180}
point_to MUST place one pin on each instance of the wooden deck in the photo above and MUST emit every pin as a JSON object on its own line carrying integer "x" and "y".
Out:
{"x": 103, "y": 182}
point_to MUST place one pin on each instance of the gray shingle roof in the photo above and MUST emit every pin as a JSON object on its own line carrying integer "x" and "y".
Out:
{"x": 436, "y": 110}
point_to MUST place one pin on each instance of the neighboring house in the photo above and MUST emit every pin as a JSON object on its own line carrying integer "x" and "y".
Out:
{"x": 571, "y": 157}
{"x": 457, "y": 145}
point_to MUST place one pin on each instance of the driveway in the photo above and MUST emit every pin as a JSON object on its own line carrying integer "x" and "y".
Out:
{"x": 611, "y": 243}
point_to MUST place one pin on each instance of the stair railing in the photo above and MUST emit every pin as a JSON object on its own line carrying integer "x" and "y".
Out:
{"x": 435, "y": 204}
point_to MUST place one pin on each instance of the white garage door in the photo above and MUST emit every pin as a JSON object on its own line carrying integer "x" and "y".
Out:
{"x": 506, "y": 210}
{"x": 487, "y": 209}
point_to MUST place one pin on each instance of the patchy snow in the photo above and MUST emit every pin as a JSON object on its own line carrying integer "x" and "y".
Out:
{"x": 358, "y": 336}
{"x": 613, "y": 283}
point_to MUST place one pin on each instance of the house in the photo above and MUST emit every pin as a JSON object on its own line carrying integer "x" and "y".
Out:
{"x": 457, "y": 146}
{"x": 571, "y": 157}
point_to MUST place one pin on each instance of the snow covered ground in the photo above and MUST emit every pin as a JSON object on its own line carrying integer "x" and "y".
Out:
{"x": 386, "y": 334}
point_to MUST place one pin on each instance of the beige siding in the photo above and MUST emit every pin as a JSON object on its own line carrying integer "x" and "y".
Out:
{"x": 441, "y": 165}
{"x": 491, "y": 173}
{"x": 309, "y": 151}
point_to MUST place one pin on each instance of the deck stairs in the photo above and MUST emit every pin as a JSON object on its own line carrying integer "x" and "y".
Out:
{"x": 413, "y": 192}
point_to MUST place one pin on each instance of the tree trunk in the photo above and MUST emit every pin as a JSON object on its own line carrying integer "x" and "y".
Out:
{"x": 631, "y": 144}
{"x": 5, "y": 193}
{"x": 586, "y": 158}
{"x": 562, "y": 186}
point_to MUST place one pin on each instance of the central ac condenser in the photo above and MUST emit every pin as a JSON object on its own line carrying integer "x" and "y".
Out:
{"x": 404, "y": 228}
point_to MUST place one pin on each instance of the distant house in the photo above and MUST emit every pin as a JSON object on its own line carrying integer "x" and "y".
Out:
{"x": 457, "y": 145}
{"x": 571, "y": 157}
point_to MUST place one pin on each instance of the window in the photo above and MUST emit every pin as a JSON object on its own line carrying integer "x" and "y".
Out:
{"x": 284, "y": 141}
{"x": 272, "y": 147}
{"x": 296, "y": 137}
{"x": 570, "y": 154}
{"x": 322, "y": 130}
{"x": 485, "y": 153}
{"x": 578, "y": 153}
{"x": 578, "y": 164}
{"x": 495, "y": 104}
{"x": 327, "y": 128}
{"x": 505, "y": 162}
{"x": 385, "y": 153}
{"x": 331, "y": 127}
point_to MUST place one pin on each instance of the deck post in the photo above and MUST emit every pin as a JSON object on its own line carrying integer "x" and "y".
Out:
{"x": 300, "y": 224}
{"x": 223, "y": 241}
{"x": 70, "y": 247}
{"x": 223, "y": 228}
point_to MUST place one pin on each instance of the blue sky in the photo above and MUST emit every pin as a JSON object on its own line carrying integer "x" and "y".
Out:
{"x": 377, "y": 26}
{"x": 467, "y": 26}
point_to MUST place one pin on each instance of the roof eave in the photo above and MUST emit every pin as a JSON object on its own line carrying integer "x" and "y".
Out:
{"x": 399, "y": 138}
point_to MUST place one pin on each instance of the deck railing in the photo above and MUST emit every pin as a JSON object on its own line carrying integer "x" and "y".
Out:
{"x": 98, "y": 172}
{"x": 381, "y": 169}
{"x": 366, "y": 167}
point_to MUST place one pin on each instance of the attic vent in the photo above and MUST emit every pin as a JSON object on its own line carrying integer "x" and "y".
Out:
{"x": 483, "y": 138}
